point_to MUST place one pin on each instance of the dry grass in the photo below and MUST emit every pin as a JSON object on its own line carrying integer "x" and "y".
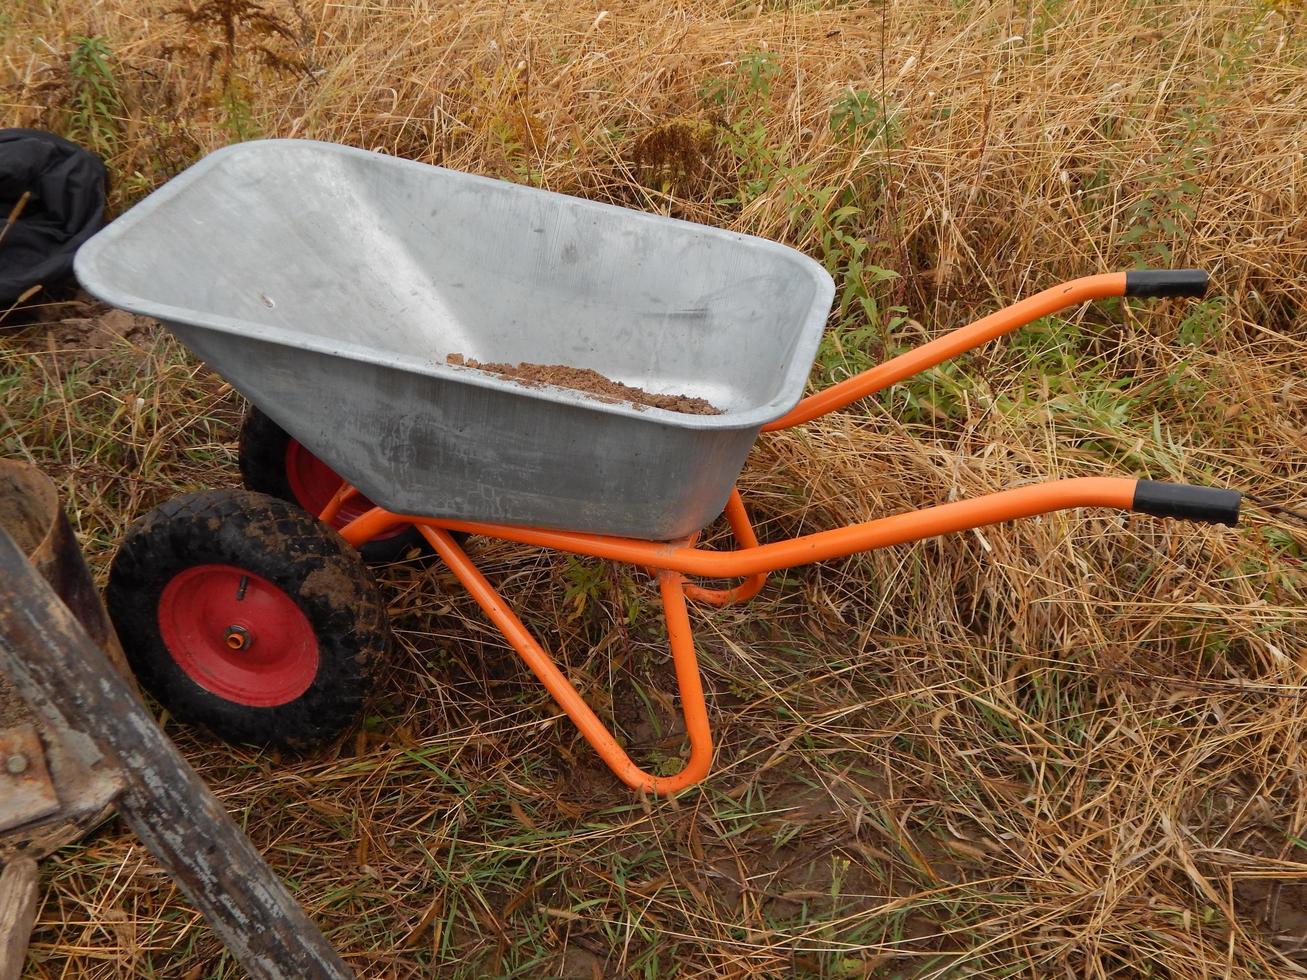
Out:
{"x": 1065, "y": 747}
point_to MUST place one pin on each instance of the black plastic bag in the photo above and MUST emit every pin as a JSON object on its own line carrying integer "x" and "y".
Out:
{"x": 65, "y": 207}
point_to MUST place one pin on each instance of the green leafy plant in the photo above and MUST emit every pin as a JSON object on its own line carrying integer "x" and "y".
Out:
{"x": 97, "y": 109}
{"x": 1203, "y": 320}
{"x": 836, "y": 216}
{"x": 863, "y": 320}
{"x": 585, "y": 584}
{"x": 743, "y": 103}
{"x": 591, "y": 583}
{"x": 1161, "y": 217}
{"x": 861, "y": 116}
{"x": 237, "y": 112}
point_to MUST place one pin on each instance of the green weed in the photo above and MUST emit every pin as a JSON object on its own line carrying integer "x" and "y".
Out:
{"x": 835, "y": 217}
{"x": 96, "y": 115}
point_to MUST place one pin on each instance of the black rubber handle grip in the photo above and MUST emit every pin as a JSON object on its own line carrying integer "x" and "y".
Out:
{"x": 1151, "y": 283}
{"x": 1207, "y": 504}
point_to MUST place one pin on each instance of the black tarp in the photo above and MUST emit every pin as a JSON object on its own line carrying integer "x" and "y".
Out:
{"x": 66, "y": 207}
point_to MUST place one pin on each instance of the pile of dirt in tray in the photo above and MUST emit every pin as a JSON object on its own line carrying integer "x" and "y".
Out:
{"x": 589, "y": 381}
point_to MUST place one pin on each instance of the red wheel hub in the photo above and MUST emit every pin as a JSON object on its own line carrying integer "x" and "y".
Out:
{"x": 314, "y": 483}
{"x": 237, "y": 635}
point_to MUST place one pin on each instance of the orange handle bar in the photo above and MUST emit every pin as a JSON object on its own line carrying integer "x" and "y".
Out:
{"x": 822, "y": 545}
{"x": 1145, "y": 283}
{"x": 1160, "y": 499}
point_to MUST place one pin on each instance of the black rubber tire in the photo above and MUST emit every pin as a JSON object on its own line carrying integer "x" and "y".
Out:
{"x": 263, "y": 446}
{"x": 298, "y": 554}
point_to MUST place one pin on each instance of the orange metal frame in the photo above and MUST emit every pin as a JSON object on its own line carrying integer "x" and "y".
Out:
{"x": 752, "y": 561}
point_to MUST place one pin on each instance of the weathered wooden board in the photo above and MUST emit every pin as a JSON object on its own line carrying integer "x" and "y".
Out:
{"x": 47, "y": 655}
{"x": 83, "y": 786}
{"x": 17, "y": 912}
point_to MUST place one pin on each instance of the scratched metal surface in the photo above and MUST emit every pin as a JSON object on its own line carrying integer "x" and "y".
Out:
{"x": 329, "y": 284}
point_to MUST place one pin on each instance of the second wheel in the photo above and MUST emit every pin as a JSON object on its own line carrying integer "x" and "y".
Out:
{"x": 274, "y": 462}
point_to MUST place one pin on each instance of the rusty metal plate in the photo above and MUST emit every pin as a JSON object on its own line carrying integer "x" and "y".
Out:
{"x": 26, "y": 791}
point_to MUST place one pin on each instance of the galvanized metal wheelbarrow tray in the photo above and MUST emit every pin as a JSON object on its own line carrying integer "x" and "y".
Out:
{"x": 329, "y": 285}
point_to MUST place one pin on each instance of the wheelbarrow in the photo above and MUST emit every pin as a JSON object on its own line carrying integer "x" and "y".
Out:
{"x": 331, "y": 287}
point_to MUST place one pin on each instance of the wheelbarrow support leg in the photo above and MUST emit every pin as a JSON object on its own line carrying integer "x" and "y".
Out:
{"x": 672, "y": 586}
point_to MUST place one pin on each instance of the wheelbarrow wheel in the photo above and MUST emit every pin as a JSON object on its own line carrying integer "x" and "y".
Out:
{"x": 274, "y": 462}
{"x": 243, "y": 614}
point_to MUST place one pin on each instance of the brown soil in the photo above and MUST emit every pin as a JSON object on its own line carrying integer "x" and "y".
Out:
{"x": 81, "y": 341}
{"x": 589, "y": 381}
{"x": 1280, "y": 906}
